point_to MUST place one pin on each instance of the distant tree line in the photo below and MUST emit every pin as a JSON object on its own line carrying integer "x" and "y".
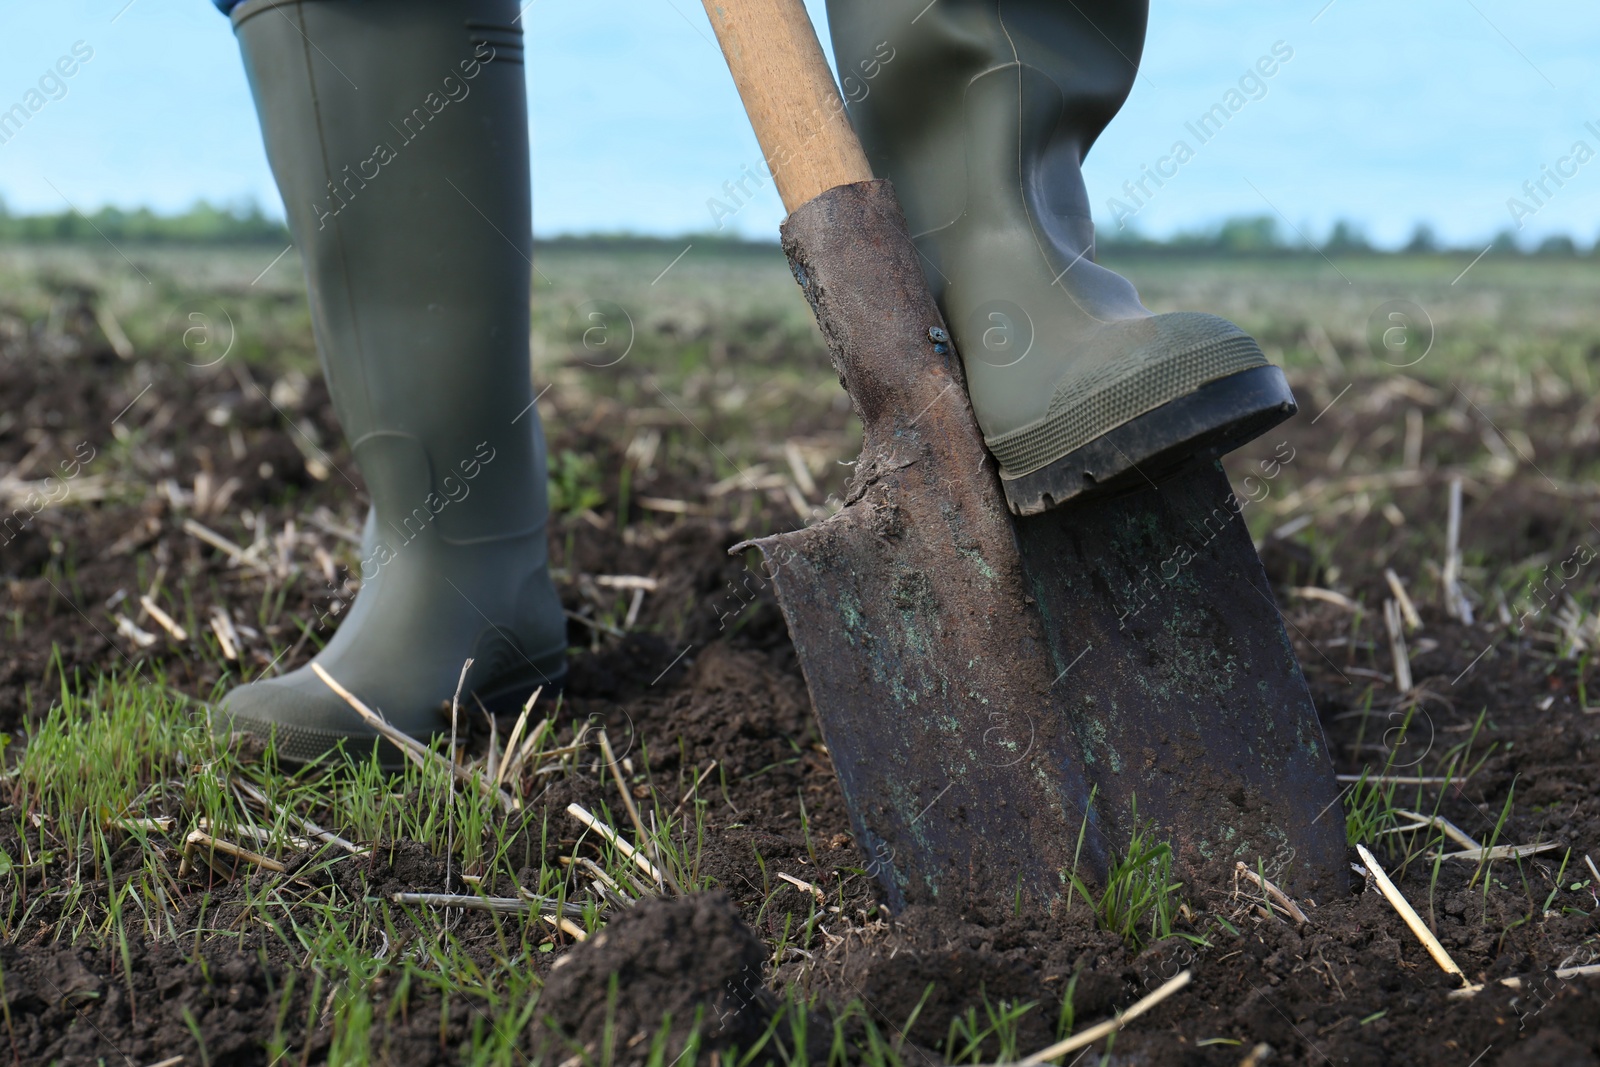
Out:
{"x": 203, "y": 223}
{"x": 206, "y": 223}
{"x": 1263, "y": 235}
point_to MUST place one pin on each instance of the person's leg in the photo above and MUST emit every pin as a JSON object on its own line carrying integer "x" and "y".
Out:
{"x": 980, "y": 112}
{"x": 397, "y": 132}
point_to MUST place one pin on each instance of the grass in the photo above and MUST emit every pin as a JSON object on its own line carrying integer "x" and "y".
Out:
{"x": 575, "y": 483}
{"x": 115, "y": 777}
{"x": 112, "y": 780}
{"x": 1372, "y": 803}
{"x": 995, "y": 1031}
{"x": 1139, "y": 901}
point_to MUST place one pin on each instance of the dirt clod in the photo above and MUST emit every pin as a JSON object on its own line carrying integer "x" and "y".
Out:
{"x": 690, "y": 961}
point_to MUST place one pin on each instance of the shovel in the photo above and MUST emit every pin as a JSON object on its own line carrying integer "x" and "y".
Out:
{"x": 1007, "y": 700}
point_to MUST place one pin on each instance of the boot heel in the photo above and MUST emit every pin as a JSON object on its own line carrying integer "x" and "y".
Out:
{"x": 1212, "y": 421}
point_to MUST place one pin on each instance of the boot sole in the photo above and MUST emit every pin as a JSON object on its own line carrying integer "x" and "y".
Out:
{"x": 305, "y": 746}
{"x": 1212, "y": 421}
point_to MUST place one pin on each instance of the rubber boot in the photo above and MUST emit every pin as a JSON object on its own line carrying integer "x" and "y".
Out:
{"x": 980, "y": 112}
{"x": 397, "y": 132}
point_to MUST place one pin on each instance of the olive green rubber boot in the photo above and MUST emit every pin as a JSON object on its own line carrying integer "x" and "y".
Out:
{"x": 980, "y": 112}
{"x": 398, "y": 135}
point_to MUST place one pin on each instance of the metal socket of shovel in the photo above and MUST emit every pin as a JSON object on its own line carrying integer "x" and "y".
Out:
{"x": 1000, "y": 694}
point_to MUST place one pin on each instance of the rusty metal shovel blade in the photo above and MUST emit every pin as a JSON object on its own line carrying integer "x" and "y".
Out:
{"x": 978, "y": 678}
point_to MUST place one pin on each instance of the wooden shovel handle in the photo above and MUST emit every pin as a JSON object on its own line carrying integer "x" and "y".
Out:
{"x": 789, "y": 94}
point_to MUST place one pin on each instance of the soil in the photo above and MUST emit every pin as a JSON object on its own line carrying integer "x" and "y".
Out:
{"x": 662, "y": 971}
{"x": 708, "y": 673}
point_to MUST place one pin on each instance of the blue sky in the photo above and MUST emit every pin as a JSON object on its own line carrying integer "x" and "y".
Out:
{"x": 1388, "y": 114}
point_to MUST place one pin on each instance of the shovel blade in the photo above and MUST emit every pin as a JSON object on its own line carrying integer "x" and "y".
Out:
{"x": 932, "y": 684}
{"x": 1187, "y": 698}
{"x": 992, "y": 708}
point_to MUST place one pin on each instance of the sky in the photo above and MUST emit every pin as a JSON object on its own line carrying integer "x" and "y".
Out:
{"x": 1387, "y": 114}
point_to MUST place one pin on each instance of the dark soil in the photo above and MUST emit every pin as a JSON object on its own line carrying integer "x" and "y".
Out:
{"x": 660, "y": 972}
{"x": 708, "y": 674}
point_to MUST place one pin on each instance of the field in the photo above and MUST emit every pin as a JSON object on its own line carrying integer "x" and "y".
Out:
{"x": 181, "y": 512}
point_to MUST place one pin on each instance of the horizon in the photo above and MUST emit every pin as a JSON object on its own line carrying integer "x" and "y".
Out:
{"x": 1236, "y": 235}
